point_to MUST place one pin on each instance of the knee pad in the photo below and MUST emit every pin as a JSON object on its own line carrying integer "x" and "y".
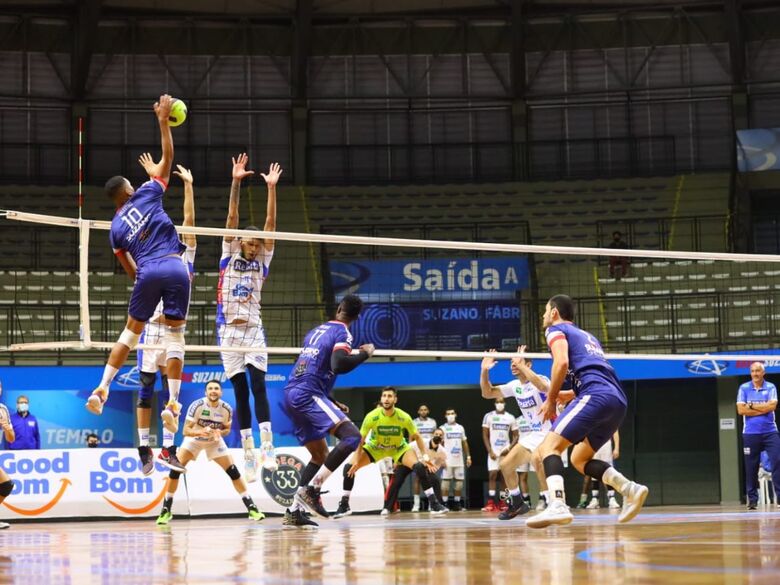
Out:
{"x": 129, "y": 338}
{"x": 174, "y": 474}
{"x": 233, "y": 472}
{"x": 173, "y": 340}
{"x": 348, "y": 434}
{"x": 146, "y": 391}
{"x": 148, "y": 379}
{"x": 419, "y": 469}
{"x": 143, "y": 401}
{"x": 6, "y": 488}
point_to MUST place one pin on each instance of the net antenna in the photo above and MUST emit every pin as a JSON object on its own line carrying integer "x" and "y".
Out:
{"x": 85, "y": 226}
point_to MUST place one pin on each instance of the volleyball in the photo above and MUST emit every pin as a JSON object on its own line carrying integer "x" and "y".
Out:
{"x": 178, "y": 114}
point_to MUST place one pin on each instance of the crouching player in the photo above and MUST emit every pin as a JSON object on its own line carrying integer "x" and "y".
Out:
{"x": 208, "y": 422}
{"x": 382, "y": 435}
{"x": 6, "y": 485}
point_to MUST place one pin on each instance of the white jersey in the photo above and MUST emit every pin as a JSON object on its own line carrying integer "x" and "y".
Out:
{"x": 425, "y": 428}
{"x": 522, "y": 426}
{"x": 240, "y": 283}
{"x": 500, "y": 426}
{"x": 203, "y": 414}
{"x": 188, "y": 257}
{"x": 529, "y": 399}
{"x": 454, "y": 435}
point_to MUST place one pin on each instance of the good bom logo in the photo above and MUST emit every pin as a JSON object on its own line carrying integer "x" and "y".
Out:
{"x": 24, "y": 472}
{"x": 121, "y": 475}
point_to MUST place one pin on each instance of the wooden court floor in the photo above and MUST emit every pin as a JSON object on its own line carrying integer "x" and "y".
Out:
{"x": 664, "y": 545}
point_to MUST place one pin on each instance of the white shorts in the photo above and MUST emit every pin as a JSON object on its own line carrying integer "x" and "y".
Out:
{"x": 493, "y": 463}
{"x": 456, "y": 473}
{"x": 213, "y": 449}
{"x": 150, "y": 360}
{"x": 605, "y": 453}
{"x": 525, "y": 468}
{"x": 242, "y": 336}
{"x": 532, "y": 440}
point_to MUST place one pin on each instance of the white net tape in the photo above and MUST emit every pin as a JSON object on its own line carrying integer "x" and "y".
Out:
{"x": 86, "y": 341}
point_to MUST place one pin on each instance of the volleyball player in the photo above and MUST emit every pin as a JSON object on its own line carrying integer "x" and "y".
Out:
{"x": 382, "y": 435}
{"x": 6, "y": 485}
{"x": 455, "y": 444}
{"x": 426, "y": 427}
{"x": 326, "y": 352}
{"x": 205, "y": 428}
{"x": 243, "y": 269}
{"x": 587, "y": 422}
{"x": 150, "y": 360}
{"x": 499, "y": 434}
{"x": 147, "y": 246}
{"x": 529, "y": 390}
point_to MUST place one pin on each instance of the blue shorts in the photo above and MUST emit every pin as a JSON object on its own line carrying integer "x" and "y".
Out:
{"x": 312, "y": 413}
{"x": 594, "y": 416}
{"x": 165, "y": 278}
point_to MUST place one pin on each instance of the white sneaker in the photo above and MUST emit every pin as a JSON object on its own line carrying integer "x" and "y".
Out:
{"x": 170, "y": 417}
{"x": 541, "y": 505}
{"x": 384, "y": 512}
{"x": 96, "y": 401}
{"x": 250, "y": 465}
{"x": 593, "y": 504}
{"x": 634, "y": 496}
{"x": 416, "y": 507}
{"x": 268, "y": 456}
{"x": 4, "y": 525}
{"x": 556, "y": 513}
{"x": 613, "y": 504}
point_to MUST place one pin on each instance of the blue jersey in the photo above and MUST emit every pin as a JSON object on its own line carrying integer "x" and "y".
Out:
{"x": 761, "y": 423}
{"x": 312, "y": 368}
{"x": 589, "y": 370}
{"x": 142, "y": 228}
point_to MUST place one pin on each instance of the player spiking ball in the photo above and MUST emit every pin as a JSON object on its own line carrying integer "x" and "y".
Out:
{"x": 147, "y": 246}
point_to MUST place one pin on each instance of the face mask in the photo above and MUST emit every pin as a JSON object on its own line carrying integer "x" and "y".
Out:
{"x": 22, "y": 407}
{"x": 451, "y": 418}
{"x": 92, "y": 445}
{"x": 437, "y": 439}
{"x": 500, "y": 407}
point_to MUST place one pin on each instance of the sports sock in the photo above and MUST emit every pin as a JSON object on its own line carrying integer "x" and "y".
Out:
{"x": 583, "y": 498}
{"x": 457, "y": 498}
{"x": 610, "y": 493}
{"x": 514, "y": 492}
{"x": 143, "y": 437}
{"x": 173, "y": 389}
{"x": 612, "y": 477}
{"x": 266, "y": 435}
{"x": 245, "y": 433}
{"x": 167, "y": 439}
{"x": 168, "y": 503}
{"x": 491, "y": 494}
{"x": 108, "y": 375}
{"x": 553, "y": 469}
{"x": 429, "y": 492}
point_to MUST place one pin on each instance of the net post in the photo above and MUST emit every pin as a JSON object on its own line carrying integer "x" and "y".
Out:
{"x": 86, "y": 335}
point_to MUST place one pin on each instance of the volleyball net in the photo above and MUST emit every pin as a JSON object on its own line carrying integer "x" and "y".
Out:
{"x": 424, "y": 298}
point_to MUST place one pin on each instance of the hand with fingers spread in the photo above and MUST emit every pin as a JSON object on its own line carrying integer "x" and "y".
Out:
{"x": 240, "y": 171}
{"x": 274, "y": 172}
{"x": 184, "y": 174}
{"x": 148, "y": 164}
{"x": 488, "y": 362}
{"x": 163, "y": 108}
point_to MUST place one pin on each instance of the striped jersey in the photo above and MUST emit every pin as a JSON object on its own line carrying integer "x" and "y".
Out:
{"x": 240, "y": 283}
{"x": 206, "y": 415}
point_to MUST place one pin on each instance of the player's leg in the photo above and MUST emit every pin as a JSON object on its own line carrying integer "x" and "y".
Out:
{"x": 772, "y": 448}
{"x": 459, "y": 474}
{"x": 536, "y": 463}
{"x": 556, "y": 512}
{"x": 6, "y": 487}
{"x": 446, "y": 478}
{"x": 517, "y": 456}
{"x": 408, "y": 459}
{"x": 189, "y": 451}
{"x": 127, "y": 341}
{"x": 257, "y": 366}
{"x": 168, "y": 455}
{"x": 143, "y": 413}
{"x": 360, "y": 459}
{"x": 399, "y": 476}
{"x": 227, "y": 465}
{"x": 583, "y": 503}
{"x": 522, "y": 477}
{"x": 752, "y": 445}
{"x": 490, "y": 505}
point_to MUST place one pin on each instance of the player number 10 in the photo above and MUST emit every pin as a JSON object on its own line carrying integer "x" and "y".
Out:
{"x": 133, "y": 217}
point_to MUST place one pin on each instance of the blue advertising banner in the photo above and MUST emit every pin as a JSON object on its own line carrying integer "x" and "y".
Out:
{"x": 758, "y": 149}
{"x": 476, "y": 325}
{"x": 432, "y": 279}
{"x": 57, "y": 394}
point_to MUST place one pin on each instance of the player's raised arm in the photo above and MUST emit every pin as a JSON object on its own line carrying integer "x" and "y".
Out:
{"x": 238, "y": 174}
{"x": 535, "y": 379}
{"x": 488, "y": 390}
{"x": 189, "y": 203}
{"x": 147, "y": 162}
{"x": 163, "y": 110}
{"x": 271, "y": 179}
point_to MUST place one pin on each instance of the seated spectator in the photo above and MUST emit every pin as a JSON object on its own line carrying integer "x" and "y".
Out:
{"x": 25, "y": 425}
{"x": 92, "y": 440}
{"x": 618, "y": 265}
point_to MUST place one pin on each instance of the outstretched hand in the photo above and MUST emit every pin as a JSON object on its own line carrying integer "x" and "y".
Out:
{"x": 239, "y": 167}
{"x": 548, "y": 410}
{"x": 148, "y": 164}
{"x": 274, "y": 172}
{"x": 163, "y": 108}
{"x": 184, "y": 174}
{"x": 489, "y": 362}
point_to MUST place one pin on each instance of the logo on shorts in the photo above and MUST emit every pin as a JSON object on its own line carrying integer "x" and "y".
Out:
{"x": 282, "y": 484}
{"x": 706, "y": 367}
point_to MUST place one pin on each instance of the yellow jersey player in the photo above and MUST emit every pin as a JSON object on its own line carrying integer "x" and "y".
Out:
{"x": 382, "y": 435}
{"x": 208, "y": 422}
